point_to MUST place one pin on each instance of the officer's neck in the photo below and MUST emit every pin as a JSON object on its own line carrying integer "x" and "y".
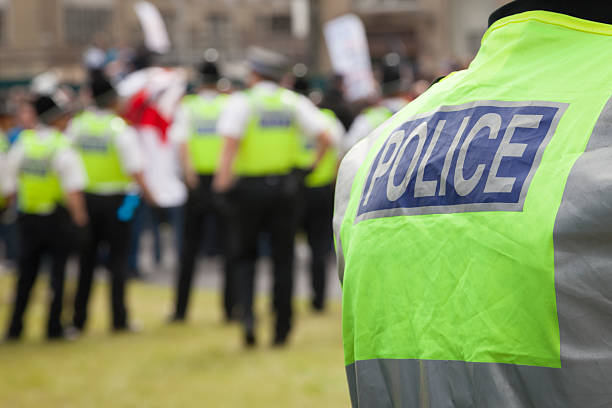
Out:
{"x": 594, "y": 10}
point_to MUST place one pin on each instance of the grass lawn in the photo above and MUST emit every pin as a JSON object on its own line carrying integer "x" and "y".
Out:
{"x": 200, "y": 364}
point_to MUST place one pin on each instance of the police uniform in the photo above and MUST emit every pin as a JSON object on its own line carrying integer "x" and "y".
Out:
{"x": 316, "y": 206}
{"x": 195, "y": 127}
{"x": 4, "y": 146}
{"x": 41, "y": 170}
{"x": 369, "y": 119}
{"x": 266, "y": 122}
{"x": 109, "y": 150}
{"x": 473, "y": 227}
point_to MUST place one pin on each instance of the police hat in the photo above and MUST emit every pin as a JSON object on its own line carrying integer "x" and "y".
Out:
{"x": 267, "y": 63}
{"x": 102, "y": 90}
{"x": 391, "y": 74}
{"x": 209, "y": 72}
{"x": 47, "y": 109}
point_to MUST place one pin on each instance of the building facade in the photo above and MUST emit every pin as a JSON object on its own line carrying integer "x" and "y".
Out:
{"x": 38, "y": 34}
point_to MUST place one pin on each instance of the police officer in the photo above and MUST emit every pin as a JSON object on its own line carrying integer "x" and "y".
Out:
{"x": 392, "y": 101}
{"x": 316, "y": 201}
{"x": 44, "y": 174}
{"x": 4, "y": 146}
{"x": 195, "y": 129}
{"x": 316, "y": 206}
{"x": 261, "y": 128}
{"x": 110, "y": 153}
{"x": 473, "y": 227}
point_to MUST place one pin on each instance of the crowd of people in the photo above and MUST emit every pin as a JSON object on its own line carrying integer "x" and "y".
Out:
{"x": 254, "y": 162}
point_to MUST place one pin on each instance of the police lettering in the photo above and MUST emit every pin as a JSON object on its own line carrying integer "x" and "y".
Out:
{"x": 275, "y": 119}
{"x": 206, "y": 127}
{"x": 476, "y": 158}
{"x": 36, "y": 167}
{"x": 93, "y": 144}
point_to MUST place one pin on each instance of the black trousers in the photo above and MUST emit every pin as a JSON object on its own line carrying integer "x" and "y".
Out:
{"x": 41, "y": 235}
{"x": 200, "y": 210}
{"x": 316, "y": 212}
{"x": 104, "y": 227}
{"x": 265, "y": 204}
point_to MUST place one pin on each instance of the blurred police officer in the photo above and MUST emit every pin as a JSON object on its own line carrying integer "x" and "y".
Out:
{"x": 316, "y": 201}
{"x": 110, "y": 153}
{"x": 260, "y": 128}
{"x": 195, "y": 129}
{"x": 44, "y": 174}
{"x": 393, "y": 99}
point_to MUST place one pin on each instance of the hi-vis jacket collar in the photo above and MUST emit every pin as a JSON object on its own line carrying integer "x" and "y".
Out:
{"x": 594, "y": 10}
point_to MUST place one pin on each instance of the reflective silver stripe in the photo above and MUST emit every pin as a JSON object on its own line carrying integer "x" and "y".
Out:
{"x": 583, "y": 270}
{"x": 344, "y": 183}
{"x": 582, "y": 240}
{"x": 458, "y": 384}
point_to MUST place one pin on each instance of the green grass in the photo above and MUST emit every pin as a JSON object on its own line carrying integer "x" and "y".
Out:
{"x": 200, "y": 364}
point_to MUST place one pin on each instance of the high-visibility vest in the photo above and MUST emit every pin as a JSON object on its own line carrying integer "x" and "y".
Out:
{"x": 376, "y": 115}
{"x": 269, "y": 145}
{"x": 325, "y": 172}
{"x": 3, "y": 150}
{"x": 204, "y": 142}
{"x": 39, "y": 189}
{"x": 474, "y": 230}
{"x": 95, "y": 142}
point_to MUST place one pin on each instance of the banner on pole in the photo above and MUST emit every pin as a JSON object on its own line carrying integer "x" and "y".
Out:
{"x": 350, "y": 56}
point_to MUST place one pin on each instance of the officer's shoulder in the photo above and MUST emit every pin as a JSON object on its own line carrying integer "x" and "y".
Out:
{"x": 352, "y": 161}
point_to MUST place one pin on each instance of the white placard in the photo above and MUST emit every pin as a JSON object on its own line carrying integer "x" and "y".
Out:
{"x": 155, "y": 33}
{"x": 350, "y": 56}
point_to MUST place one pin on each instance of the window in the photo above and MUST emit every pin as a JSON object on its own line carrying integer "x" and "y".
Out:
{"x": 2, "y": 26}
{"x": 280, "y": 23}
{"x": 81, "y": 24}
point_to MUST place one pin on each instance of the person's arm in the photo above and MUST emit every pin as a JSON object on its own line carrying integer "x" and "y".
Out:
{"x": 10, "y": 173}
{"x": 224, "y": 177}
{"x": 75, "y": 201}
{"x": 191, "y": 177}
{"x": 231, "y": 125}
{"x": 73, "y": 180}
{"x": 144, "y": 188}
{"x": 314, "y": 125}
{"x": 179, "y": 134}
{"x": 132, "y": 161}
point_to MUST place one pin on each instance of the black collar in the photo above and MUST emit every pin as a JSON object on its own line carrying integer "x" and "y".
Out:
{"x": 594, "y": 10}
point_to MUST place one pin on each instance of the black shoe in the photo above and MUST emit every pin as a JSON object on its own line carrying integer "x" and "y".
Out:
{"x": 174, "y": 319}
{"x": 134, "y": 327}
{"x": 11, "y": 338}
{"x": 280, "y": 340}
{"x": 318, "y": 306}
{"x": 249, "y": 339}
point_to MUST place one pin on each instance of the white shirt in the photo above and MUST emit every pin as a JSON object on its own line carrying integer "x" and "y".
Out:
{"x": 181, "y": 126}
{"x": 362, "y": 127}
{"x": 66, "y": 164}
{"x": 128, "y": 147}
{"x": 235, "y": 117}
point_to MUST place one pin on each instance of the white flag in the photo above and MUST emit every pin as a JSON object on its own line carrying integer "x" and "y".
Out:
{"x": 155, "y": 33}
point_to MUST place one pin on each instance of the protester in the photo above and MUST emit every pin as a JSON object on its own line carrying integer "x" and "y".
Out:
{"x": 151, "y": 95}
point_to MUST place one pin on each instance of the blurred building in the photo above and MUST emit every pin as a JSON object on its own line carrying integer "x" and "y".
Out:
{"x": 38, "y": 34}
